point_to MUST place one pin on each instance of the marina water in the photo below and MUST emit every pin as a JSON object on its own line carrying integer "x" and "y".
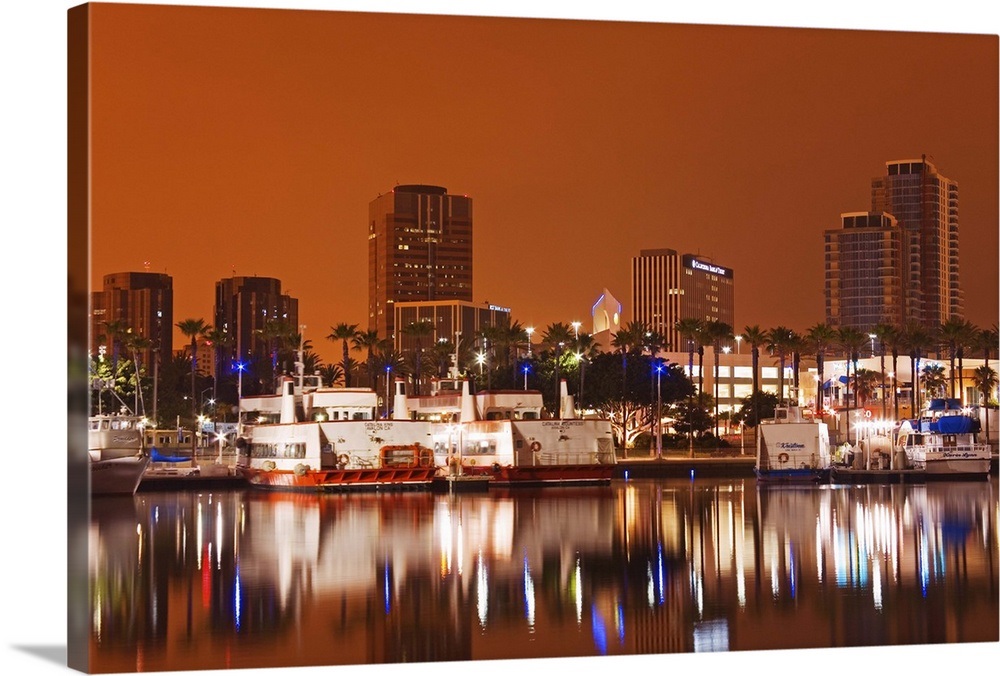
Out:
{"x": 242, "y": 579}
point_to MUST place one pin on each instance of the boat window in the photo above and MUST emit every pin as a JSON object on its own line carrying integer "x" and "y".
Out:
{"x": 530, "y": 415}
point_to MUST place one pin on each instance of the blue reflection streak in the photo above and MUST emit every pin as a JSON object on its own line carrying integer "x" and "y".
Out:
{"x": 599, "y": 632}
{"x": 620, "y": 620}
{"x": 385, "y": 588}
{"x": 791, "y": 569}
{"x": 660, "y": 572}
{"x": 237, "y": 605}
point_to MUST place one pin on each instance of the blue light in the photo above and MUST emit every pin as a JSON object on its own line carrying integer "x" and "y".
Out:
{"x": 692, "y": 474}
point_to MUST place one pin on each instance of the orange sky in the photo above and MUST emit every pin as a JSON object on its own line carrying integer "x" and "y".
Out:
{"x": 251, "y": 141}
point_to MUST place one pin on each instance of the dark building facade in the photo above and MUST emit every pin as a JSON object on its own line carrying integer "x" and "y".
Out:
{"x": 864, "y": 271}
{"x": 244, "y": 307}
{"x": 419, "y": 249}
{"x": 448, "y": 317}
{"x": 140, "y": 304}
{"x": 668, "y": 287}
{"x": 898, "y": 261}
{"x": 925, "y": 204}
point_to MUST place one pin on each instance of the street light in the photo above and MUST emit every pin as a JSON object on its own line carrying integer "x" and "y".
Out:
{"x": 873, "y": 337}
{"x": 240, "y": 368}
{"x": 530, "y": 330}
{"x": 739, "y": 339}
{"x": 525, "y": 369}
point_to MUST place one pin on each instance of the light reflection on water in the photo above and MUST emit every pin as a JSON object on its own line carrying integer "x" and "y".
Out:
{"x": 245, "y": 579}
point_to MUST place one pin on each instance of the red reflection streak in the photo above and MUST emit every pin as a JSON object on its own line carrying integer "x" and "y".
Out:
{"x": 206, "y": 578}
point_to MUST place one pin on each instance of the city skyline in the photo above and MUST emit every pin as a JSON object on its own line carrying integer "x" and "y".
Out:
{"x": 581, "y": 143}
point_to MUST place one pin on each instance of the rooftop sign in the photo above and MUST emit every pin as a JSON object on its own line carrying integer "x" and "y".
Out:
{"x": 695, "y": 264}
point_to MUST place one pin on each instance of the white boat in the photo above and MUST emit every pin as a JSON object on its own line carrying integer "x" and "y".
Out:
{"x": 504, "y": 435}
{"x": 793, "y": 448}
{"x": 315, "y": 438}
{"x": 117, "y": 457}
{"x": 943, "y": 442}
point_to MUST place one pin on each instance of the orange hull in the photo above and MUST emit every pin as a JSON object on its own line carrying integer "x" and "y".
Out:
{"x": 340, "y": 479}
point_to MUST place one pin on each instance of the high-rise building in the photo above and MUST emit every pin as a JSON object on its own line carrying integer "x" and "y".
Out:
{"x": 668, "y": 287}
{"x": 244, "y": 307}
{"x": 864, "y": 269}
{"x": 139, "y": 304}
{"x": 419, "y": 249}
{"x": 881, "y": 271}
{"x": 925, "y": 204}
{"x": 447, "y": 318}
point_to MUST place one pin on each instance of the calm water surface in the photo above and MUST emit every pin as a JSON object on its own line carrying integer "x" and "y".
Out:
{"x": 242, "y": 579}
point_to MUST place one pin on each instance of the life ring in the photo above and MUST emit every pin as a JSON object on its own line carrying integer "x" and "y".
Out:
{"x": 426, "y": 458}
{"x": 535, "y": 447}
{"x": 868, "y": 414}
{"x": 343, "y": 459}
{"x": 268, "y": 465}
{"x": 301, "y": 469}
{"x": 782, "y": 457}
{"x": 473, "y": 462}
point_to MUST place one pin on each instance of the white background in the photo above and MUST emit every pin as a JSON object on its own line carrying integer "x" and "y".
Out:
{"x": 33, "y": 256}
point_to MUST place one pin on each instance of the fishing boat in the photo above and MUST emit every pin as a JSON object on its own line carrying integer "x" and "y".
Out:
{"x": 943, "y": 442}
{"x": 307, "y": 437}
{"x": 792, "y": 448}
{"x": 506, "y": 436}
{"x": 117, "y": 456}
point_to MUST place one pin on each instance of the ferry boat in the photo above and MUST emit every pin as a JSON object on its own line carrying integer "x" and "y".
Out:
{"x": 307, "y": 437}
{"x": 505, "y": 436}
{"x": 793, "y": 448}
{"x": 943, "y": 442}
{"x": 117, "y": 456}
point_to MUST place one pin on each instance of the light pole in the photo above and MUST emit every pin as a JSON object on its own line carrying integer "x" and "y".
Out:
{"x": 872, "y": 336}
{"x": 739, "y": 339}
{"x": 579, "y": 393}
{"x": 558, "y": 403}
{"x": 729, "y": 417}
{"x": 388, "y": 373}
{"x": 240, "y": 368}
{"x": 530, "y": 330}
{"x": 659, "y": 415}
{"x": 526, "y": 368}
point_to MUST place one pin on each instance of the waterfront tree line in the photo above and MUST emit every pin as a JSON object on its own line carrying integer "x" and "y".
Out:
{"x": 630, "y": 384}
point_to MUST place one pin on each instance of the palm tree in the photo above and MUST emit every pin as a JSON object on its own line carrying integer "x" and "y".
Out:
{"x": 821, "y": 337}
{"x": 934, "y": 381}
{"x": 217, "y": 338}
{"x": 689, "y": 330}
{"x": 865, "y": 384}
{"x": 885, "y": 334}
{"x": 851, "y": 340}
{"x": 368, "y": 341}
{"x": 115, "y": 332}
{"x": 956, "y": 334}
{"x": 916, "y": 339}
{"x": 717, "y": 332}
{"x": 134, "y": 343}
{"x": 986, "y": 383}
{"x": 193, "y": 329}
{"x": 344, "y": 332}
{"x": 755, "y": 337}
{"x": 781, "y": 342}
{"x": 418, "y": 331}
{"x": 331, "y": 374}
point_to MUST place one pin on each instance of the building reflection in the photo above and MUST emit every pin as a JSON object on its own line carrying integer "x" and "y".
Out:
{"x": 245, "y": 579}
